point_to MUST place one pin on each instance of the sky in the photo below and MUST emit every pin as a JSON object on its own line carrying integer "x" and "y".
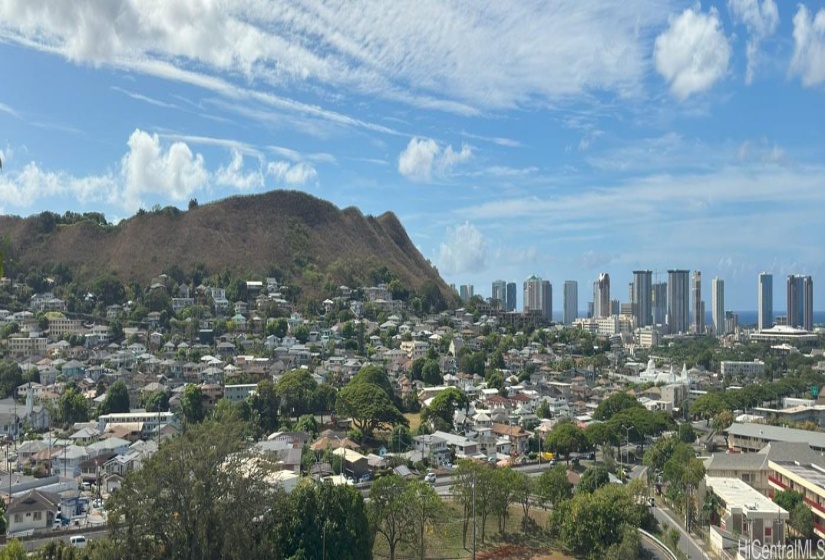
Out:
{"x": 561, "y": 139}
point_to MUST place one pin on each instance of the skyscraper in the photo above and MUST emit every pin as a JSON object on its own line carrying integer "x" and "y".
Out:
{"x": 601, "y": 296}
{"x": 698, "y": 306}
{"x": 659, "y": 303}
{"x": 717, "y": 295}
{"x": 547, "y": 299}
{"x": 500, "y": 293}
{"x": 642, "y": 298}
{"x": 465, "y": 292}
{"x": 571, "y": 301}
{"x": 511, "y": 296}
{"x": 764, "y": 296}
{"x": 678, "y": 301}
{"x": 800, "y": 302}
{"x": 538, "y": 296}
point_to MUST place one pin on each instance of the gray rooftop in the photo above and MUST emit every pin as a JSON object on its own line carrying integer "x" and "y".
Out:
{"x": 777, "y": 433}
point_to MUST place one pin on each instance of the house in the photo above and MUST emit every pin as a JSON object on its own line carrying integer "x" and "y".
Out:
{"x": 33, "y": 511}
{"x": 434, "y": 448}
{"x": 745, "y": 511}
{"x": 90, "y": 468}
{"x": 516, "y": 435}
{"x": 355, "y": 465}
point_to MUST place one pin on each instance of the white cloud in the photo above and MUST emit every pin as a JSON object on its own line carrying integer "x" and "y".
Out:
{"x": 147, "y": 168}
{"x": 693, "y": 53}
{"x": 423, "y": 156}
{"x": 144, "y": 98}
{"x": 463, "y": 251}
{"x": 31, "y": 183}
{"x": 808, "y": 60}
{"x": 233, "y": 175}
{"x": 292, "y": 174}
{"x": 488, "y": 55}
{"x": 761, "y": 20}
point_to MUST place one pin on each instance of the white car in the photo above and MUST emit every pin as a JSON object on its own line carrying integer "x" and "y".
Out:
{"x": 429, "y": 478}
{"x": 78, "y": 541}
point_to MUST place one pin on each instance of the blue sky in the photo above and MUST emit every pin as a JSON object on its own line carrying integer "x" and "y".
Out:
{"x": 559, "y": 138}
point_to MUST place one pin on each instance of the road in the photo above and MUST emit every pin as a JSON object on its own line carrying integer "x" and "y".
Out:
{"x": 90, "y": 534}
{"x": 687, "y": 543}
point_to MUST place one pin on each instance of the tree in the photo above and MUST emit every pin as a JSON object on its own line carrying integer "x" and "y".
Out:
{"x": 543, "y": 409}
{"x": 592, "y": 479}
{"x": 503, "y": 494}
{"x": 400, "y": 439}
{"x": 326, "y": 520}
{"x": 787, "y": 499}
{"x": 116, "y": 400}
{"x": 425, "y": 508}
{"x": 11, "y": 377}
{"x": 686, "y": 433}
{"x": 564, "y": 438}
{"x": 72, "y": 406}
{"x": 524, "y": 488}
{"x": 601, "y": 433}
{"x": 802, "y": 519}
{"x": 191, "y": 404}
{"x": 295, "y": 390}
{"x": 431, "y": 373}
{"x": 377, "y": 376}
{"x": 443, "y": 407}
{"x": 264, "y": 405}
{"x": 554, "y": 486}
{"x": 613, "y": 404}
{"x": 389, "y": 511}
{"x": 723, "y": 420}
{"x": 417, "y": 368}
{"x": 176, "y": 506}
{"x": 308, "y": 424}
{"x": 156, "y": 401}
{"x": 301, "y": 334}
{"x": 369, "y": 407}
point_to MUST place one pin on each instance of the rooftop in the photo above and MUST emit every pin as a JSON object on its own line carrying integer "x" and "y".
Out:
{"x": 737, "y": 494}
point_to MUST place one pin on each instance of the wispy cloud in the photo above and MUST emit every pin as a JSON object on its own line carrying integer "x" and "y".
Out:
{"x": 9, "y": 111}
{"x": 146, "y": 99}
{"x": 497, "y": 140}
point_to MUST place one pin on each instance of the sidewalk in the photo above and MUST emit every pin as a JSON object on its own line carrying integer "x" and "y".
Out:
{"x": 689, "y": 545}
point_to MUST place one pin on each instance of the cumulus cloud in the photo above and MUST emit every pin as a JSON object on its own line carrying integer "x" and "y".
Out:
{"x": 808, "y": 60}
{"x": 692, "y": 53}
{"x": 423, "y": 156}
{"x": 31, "y": 183}
{"x": 233, "y": 174}
{"x": 292, "y": 174}
{"x": 464, "y": 250}
{"x": 761, "y": 20}
{"x": 149, "y": 169}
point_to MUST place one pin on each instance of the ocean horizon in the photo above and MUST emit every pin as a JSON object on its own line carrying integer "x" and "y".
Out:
{"x": 746, "y": 318}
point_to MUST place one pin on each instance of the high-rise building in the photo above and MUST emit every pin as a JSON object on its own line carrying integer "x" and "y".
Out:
{"x": 511, "y": 297}
{"x": 615, "y": 307}
{"x": 659, "y": 303}
{"x": 571, "y": 301}
{"x": 678, "y": 301}
{"x": 642, "y": 298}
{"x": 717, "y": 296}
{"x": 547, "y": 299}
{"x": 538, "y": 296}
{"x": 601, "y": 296}
{"x": 698, "y": 305}
{"x": 731, "y": 322}
{"x": 465, "y": 292}
{"x": 764, "y": 296}
{"x": 800, "y": 302}
{"x": 499, "y": 293}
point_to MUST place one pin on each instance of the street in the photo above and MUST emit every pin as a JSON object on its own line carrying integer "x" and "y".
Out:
{"x": 687, "y": 543}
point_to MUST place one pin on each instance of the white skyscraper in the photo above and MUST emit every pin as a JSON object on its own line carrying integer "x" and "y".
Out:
{"x": 765, "y": 301}
{"x": 571, "y": 301}
{"x": 717, "y": 289}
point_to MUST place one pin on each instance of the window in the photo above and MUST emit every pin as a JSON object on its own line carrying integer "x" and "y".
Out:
{"x": 18, "y": 518}
{"x": 767, "y": 531}
{"x": 38, "y": 515}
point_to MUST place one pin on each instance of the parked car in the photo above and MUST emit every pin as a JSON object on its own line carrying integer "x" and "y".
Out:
{"x": 429, "y": 478}
{"x": 77, "y": 541}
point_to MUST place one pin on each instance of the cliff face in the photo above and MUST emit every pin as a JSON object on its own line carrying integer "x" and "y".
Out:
{"x": 276, "y": 233}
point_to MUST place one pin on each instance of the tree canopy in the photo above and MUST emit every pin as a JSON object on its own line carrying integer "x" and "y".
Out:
{"x": 369, "y": 407}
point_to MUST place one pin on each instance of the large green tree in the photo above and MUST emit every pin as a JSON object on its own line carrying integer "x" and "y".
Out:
{"x": 11, "y": 377}
{"x": 564, "y": 438}
{"x": 554, "y": 487}
{"x": 443, "y": 407}
{"x": 389, "y": 511}
{"x": 369, "y": 407}
{"x": 191, "y": 404}
{"x": 116, "y": 400}
{"x": 201, "y": 496}
{"x": 613, "y": 404}
{"x": 296, "y": 390}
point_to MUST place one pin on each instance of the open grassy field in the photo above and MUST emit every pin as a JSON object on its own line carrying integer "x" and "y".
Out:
{"x": 414, "y": 419}
{"x": 444, "y": 541}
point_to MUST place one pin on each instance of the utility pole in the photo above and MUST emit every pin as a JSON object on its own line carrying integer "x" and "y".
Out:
{"x": 474, "y": 515}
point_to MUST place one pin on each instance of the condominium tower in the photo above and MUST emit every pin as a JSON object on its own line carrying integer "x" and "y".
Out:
{"x": 601, "y": 296}
{"x": 764, "y": 296}
{"x": 678, "y": 301}
{"x": 499, "y": 293}
{"x": 717, "y": 295}
{"x": 642, "y": 298}
{"x": 538, "y": 296}
{"x": 571, "y": 301}
{"x": 510, "y": 305}
{"x": 800, "y": 302}
{"x": 698, "y": 304}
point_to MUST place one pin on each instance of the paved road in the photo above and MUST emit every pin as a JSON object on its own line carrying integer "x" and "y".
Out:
{"x": 687, "y": 544}
{"x": 90, "y": 534}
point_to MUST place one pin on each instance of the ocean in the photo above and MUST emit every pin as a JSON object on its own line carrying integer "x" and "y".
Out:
{"x": 746, "y": 318}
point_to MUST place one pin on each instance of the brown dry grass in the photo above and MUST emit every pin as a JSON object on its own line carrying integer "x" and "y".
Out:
{"x": 246, "y": 234}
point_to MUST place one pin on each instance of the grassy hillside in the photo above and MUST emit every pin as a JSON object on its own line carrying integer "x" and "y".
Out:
{"x": 287, "y": 234}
